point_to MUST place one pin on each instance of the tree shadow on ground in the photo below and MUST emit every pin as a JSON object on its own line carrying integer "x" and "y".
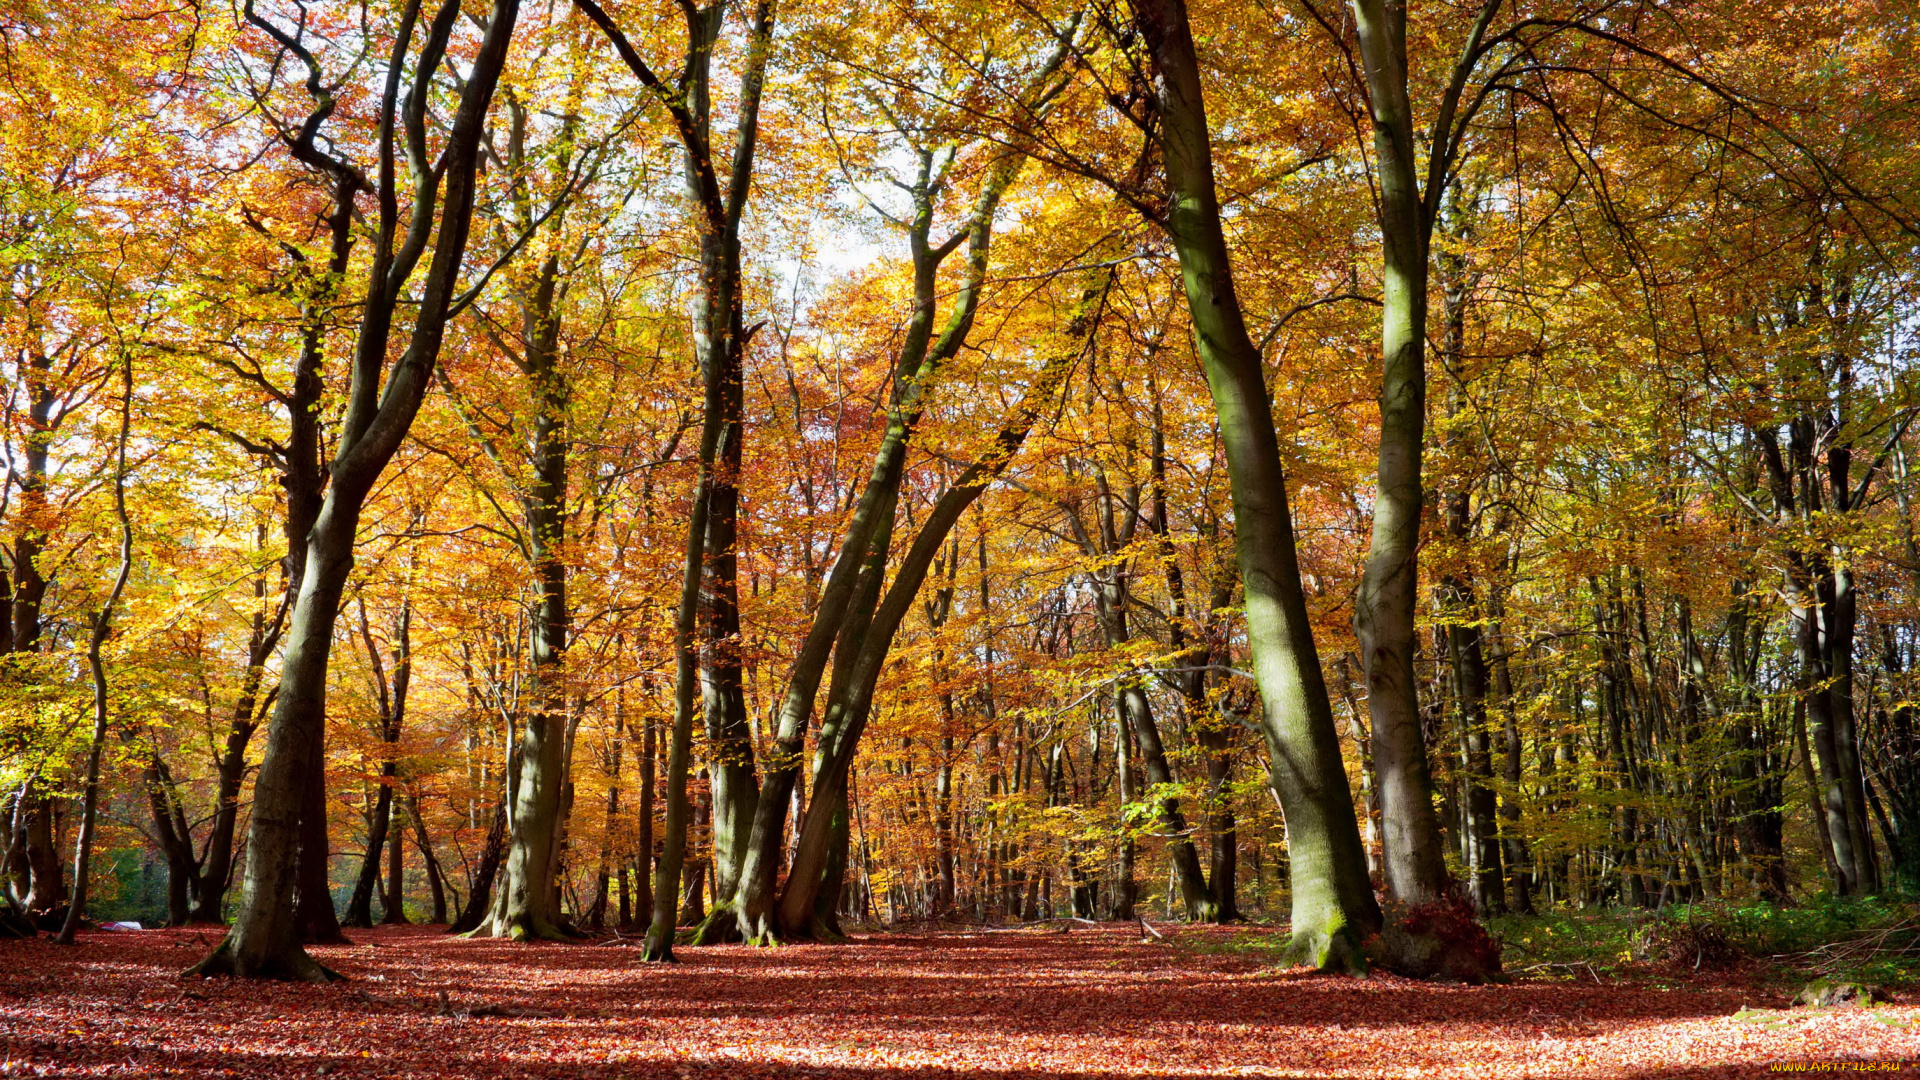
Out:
{"x": 1090, "y": 1005}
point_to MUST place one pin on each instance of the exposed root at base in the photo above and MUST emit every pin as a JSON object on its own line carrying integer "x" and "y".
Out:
{"x": 522, "y": 928}
{"x": 720, "y": 927}
{"x": 1335, "y": 952}
{"x": 291, "y": 964}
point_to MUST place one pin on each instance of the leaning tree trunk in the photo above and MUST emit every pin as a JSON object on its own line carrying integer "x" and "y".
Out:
{"x": 217, "y": 865}
{"x": 436, "y": 877}
{"x": 480, "y": 894}
{"x": 795, "y": 915}
{"x": 1333, "y": 905}
{"x": 360, "y": 904}
{"x": 265, "y": 940}
{"x": 852, "y": 587}
{"x": 673, "y": 855}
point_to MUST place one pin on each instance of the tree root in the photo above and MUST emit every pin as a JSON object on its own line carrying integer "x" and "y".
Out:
{"x": 720, "y": 927}
{"x": 1331, "y": 950}
{"x": 290, "y": 964}
{"x": 524, "y": 927}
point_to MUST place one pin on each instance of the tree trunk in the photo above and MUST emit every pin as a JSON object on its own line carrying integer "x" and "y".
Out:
{"x": 436, "y": 878}
{"x": 1111, "y": 590}
{"x": 175, "y": 837}
{"x": 382, "y": 832}
{"x": 45, "y": 888}
{"x": 480, "y": 892}
{"x": 1519, "y": 860}
{"x": 360, "y": 905}
{"x": 643, "y": 843}
{"x": 289, "y": 791}
{"x": 526, "y": 905}
{"x": 265, "y": 939}
{"x": 216, "y": 870}
{"x": 1333, "y": 906}
{"x": 1468, "y": 665}
{"x": 394, "y": 902}
{"x": 96, "y": 666}
{"x": 1126, "y": 891}
{"x": 597, "y": 914}
{"x": 943, "y": 824}
{"x": 852, "y": 695}
{"x": 1384, "y": 608}
{"x": 719, "y": 346}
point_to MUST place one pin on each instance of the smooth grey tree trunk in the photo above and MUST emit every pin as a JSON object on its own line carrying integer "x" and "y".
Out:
{"x": 1385, "y": 616}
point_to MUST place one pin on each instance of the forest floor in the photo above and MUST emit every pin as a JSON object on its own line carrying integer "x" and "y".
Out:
{"x": 1090, "y": 1003}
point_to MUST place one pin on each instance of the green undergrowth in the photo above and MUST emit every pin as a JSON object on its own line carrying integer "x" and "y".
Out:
{"x": 1871, "y": 940}
{"x": 1861, "y": 939}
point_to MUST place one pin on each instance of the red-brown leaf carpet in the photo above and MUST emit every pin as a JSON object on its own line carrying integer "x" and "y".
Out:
{"x": 1093, "y": 1003}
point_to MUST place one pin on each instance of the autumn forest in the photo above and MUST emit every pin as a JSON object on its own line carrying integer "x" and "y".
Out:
{"x": 1332, "y": 497}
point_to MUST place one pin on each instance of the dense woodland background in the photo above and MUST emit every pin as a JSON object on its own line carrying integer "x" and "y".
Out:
{"x": 492, "y": 464}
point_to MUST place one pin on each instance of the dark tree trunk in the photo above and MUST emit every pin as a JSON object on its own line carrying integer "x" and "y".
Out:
{"x": 1126, "y": 890}
{"x": 480, "y": 891}
{"x": 643, "y": 843}
{"x": 394, "y": 902}
{"x": 360, "y": 905}
{"x": 382, "y": 830}
{"x": 176, "y": 840}
{"x": 289, "y": 793}
{"x": 436, "y": 878}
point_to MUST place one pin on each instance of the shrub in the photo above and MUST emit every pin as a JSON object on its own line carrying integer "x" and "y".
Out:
{"x": 1439, "y": 940}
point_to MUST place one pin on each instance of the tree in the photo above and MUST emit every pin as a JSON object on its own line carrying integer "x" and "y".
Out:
{"x": 263, "y": 941}
{"x": 1333, "y": 907}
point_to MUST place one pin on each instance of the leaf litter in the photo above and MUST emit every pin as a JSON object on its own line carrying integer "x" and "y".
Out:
{"x": 1096, "y": 1004}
